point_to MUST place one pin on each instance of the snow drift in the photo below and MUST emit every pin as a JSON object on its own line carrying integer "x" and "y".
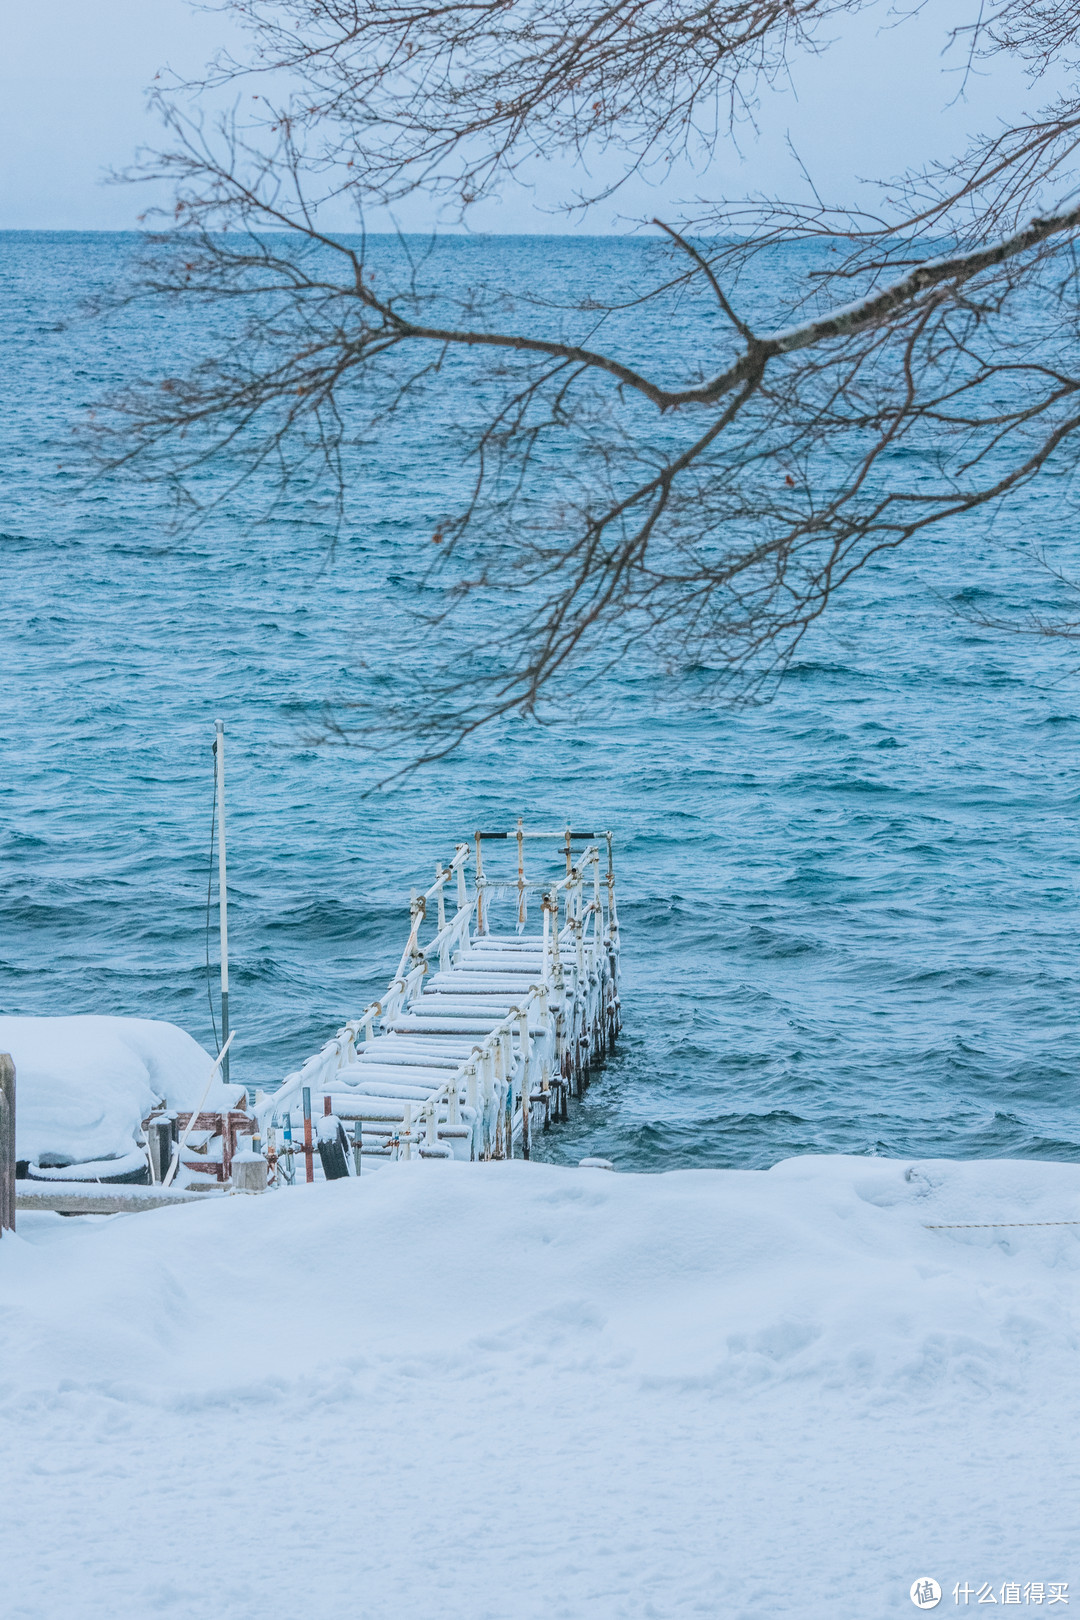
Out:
{"x": 512, "y": 1391}
{"x": 85, "y": 1084}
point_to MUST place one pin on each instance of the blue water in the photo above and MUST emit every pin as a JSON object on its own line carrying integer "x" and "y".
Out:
{"x": 849, "y": 916}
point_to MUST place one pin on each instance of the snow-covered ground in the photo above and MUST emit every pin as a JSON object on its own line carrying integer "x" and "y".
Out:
{"x": 485, "y": 1392}
{"x": 85, "y": 1084}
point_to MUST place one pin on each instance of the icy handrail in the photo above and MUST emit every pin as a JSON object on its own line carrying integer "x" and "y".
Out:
{"x": 320, "y": 1070}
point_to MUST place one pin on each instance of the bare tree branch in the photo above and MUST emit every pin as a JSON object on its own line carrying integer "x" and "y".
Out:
{"x": 624, "y": 493}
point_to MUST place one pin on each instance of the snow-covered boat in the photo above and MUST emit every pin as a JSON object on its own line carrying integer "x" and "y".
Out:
{"x": 90, "y": 1089}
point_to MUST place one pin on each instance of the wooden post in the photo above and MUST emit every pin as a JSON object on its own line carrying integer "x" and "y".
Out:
{"x": 229, "y": 1144}
{"x": 249, "y": 1172}
{"x": 7, "y": 1143}
{"x": 160, "y": 1133}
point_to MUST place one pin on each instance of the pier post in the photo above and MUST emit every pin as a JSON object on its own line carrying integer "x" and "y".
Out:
{"x": 289, "y": 1168}
{"x": 249, "y": 1172}
{"x": 472, "y": 1102}
{"x": 7, "y": 1143}
{"x": 309, "y": 1162}
{"x": 521, "y": 876}
{"x": 508, "y": 1122}
{"x": 524, "y": 1047}
{"x": 160, "y": 1133}
{"x": 480, "y": 924}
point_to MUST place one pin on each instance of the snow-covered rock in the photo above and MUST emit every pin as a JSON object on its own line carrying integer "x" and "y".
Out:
{"x": 84, "y": 1084}
{"x": 520, "y": 1392}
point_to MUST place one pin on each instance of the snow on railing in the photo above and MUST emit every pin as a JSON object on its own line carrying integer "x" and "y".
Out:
{"x": 531, "y": 1057}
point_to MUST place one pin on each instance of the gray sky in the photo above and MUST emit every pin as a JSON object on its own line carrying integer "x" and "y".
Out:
{"x": 74, "y": 73}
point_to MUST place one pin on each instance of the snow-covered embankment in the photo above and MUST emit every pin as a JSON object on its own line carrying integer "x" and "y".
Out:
{"x": 521, "y": 1391}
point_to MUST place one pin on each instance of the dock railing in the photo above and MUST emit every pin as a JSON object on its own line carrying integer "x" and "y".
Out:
{"x": 529, "y": 1058}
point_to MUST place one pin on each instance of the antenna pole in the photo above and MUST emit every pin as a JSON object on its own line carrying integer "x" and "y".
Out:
{"x": 223, "y": 894}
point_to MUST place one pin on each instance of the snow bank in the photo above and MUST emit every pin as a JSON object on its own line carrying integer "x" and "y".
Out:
{"x": 85, "y": 1084}
{"x": 517, "y": 1392}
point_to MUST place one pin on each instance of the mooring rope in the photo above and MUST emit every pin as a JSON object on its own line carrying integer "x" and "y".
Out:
{"x": 981, "y": 1226}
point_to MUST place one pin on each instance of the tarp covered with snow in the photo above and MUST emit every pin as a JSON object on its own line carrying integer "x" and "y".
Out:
{"x": 518, "y": 1392}
{"x": 84, "y": 1084}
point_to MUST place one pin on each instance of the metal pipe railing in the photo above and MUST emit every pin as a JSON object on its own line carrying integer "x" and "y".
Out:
{"x": 575, "y": 998}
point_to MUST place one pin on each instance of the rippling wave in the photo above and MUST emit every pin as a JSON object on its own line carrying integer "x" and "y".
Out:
{"x": 849, "y": 916}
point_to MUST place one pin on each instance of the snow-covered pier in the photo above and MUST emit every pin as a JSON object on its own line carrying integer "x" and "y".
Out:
{"x": 481, "y": 1036}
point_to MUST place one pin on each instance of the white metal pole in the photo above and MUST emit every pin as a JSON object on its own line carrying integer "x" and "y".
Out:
{"x": 223, "y": 895}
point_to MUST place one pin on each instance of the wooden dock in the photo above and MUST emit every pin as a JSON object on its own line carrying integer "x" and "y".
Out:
{"x": 482, "y": 1036}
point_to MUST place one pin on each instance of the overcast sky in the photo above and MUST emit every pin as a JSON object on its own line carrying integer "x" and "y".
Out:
{"x": 73, "y": 75}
